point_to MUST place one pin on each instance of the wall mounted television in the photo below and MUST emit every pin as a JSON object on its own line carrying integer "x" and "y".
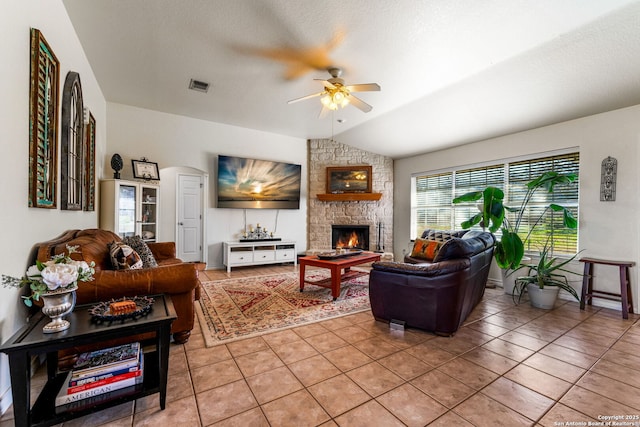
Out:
{"x": 257, "y": 184}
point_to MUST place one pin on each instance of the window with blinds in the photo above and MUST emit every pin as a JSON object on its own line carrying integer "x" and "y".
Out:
{"x": 565, "y": 241}
{"x": 432, "y": 196}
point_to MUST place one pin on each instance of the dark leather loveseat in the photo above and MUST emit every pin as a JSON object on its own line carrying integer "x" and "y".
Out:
{"x": 435, "y": 295}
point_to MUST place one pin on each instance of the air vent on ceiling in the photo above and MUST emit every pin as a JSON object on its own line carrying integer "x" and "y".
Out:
{"x": 198, "y": 85}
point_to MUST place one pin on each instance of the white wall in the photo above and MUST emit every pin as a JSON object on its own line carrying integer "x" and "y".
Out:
{"x": 24, "y": 226}
{"x": 174, "y": 141}
{"x": 606, "y": 229}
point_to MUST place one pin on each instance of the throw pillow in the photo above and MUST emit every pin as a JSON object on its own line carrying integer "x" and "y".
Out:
{"x": 425, "y": 249}
{"x": 442, "y": 236}
{"x": 123, "y": 257}
{"x": 141, "y": 247}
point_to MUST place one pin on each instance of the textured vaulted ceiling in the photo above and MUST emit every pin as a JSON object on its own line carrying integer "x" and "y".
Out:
{"x": 451, "y": 71}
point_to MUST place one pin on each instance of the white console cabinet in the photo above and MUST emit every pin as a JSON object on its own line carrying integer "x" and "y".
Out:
{"x": 238, "y": 254}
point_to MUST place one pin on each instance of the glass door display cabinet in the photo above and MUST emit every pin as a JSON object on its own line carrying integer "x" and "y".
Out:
{"x": 130, "y": 208}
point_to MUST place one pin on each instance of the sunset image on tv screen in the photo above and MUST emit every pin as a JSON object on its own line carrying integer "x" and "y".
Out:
{"x": 251, "y": 183}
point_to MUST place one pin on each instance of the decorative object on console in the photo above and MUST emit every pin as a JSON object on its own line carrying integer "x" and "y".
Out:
{"x": 108, "y": 311}
{"x": 43, "y": 123}
{"x": 116, "y": 165}
{"x": 259, "y": 234}
{"x": 55, "y": 282}
{"x": 144, "y": 169}
{"x": 609, "y": 171}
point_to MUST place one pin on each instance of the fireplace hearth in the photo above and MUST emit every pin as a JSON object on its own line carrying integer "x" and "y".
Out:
{"x": 350, "y": 236}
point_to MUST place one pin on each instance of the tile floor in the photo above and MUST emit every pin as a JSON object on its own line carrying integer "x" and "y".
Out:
{"x": 507, "y": 366}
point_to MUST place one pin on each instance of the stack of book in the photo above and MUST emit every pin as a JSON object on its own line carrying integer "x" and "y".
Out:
{"x": 102, "y": 371}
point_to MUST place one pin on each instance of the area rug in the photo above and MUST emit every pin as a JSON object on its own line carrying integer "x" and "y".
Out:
{"x": 234, "y": 309}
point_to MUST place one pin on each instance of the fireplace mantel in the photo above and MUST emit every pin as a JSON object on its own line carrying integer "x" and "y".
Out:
{"x": 349, "y": 197}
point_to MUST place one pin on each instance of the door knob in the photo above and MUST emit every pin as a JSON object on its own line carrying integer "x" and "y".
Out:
{"x": 180, "y": 223}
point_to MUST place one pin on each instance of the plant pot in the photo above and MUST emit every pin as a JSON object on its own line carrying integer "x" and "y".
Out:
{"x": 544, "y": 298}
{"x": 509, "y": 277}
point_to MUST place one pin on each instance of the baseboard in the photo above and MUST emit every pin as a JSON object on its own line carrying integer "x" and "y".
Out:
{"x": 494, "y": 283}
{"x": 597, "y": 302}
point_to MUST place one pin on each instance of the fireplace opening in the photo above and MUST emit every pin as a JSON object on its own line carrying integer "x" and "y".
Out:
{"x": 350, "y": 237}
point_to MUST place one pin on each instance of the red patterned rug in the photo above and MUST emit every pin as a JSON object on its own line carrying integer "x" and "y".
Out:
{"x": 235, "y": 309}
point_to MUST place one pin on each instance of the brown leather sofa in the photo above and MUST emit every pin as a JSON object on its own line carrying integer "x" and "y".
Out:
{"x": 172, "y": 276}
{"x": 434, "y": 296}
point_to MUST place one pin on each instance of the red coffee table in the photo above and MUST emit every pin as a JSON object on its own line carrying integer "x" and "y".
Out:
{"x": 336, "y": 266}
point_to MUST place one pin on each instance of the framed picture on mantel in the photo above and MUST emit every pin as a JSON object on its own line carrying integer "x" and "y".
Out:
{"x": 349, "y": 179}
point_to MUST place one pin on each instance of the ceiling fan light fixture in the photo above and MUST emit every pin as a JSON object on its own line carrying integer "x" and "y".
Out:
{"x": 334, "y": 98}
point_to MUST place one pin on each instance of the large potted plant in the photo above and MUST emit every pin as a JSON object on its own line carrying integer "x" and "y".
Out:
{"x": 509, "y": 251}
{"x": 545, "y": 279}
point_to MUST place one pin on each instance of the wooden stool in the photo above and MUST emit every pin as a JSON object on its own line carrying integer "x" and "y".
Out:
{"x": 625, "y": 295}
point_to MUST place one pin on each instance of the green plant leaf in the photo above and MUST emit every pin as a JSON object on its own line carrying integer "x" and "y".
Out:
{"x": 476, "y": 219}
{"x": 472, "y": 196}
{"x": 568, "y": 219}
{"x": 493, "y": 209}
{"x": 509, "y": 250}
{"x": 549, "y": 180}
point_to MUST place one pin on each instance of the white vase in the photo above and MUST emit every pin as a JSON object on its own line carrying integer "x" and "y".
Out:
{"x": 544, "y": 298}
{"x": 56, "y": 305}
{"x": 508, "y": 281}
{"x": 509, "y": 277}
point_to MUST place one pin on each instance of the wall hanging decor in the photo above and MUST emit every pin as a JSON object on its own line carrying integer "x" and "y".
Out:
{"x": 71, "y": 143}
{"x": 144, "y": 169}
{"x": 90, "y": 164}
{"x": 43, "y": 119}
{"x": 608, "y": 171}
{"x": 349, "y": 179}
{"x": 116, "y": 165}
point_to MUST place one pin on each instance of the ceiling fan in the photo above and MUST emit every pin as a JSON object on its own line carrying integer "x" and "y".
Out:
{"x": 337, "y": 94}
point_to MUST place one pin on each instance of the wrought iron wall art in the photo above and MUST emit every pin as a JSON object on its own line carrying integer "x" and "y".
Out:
{"x": 43, "y": 119}
{"x": 90, "y": 165}
{"x": 71, "y": 142}
{"x": 609, "y": 171}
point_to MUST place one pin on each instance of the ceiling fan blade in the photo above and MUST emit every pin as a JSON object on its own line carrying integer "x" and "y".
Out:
{"x": 365, "y": 87}
{"x": 359, "y": 103}
{"x": 313, "y": 95}
{"x": 323, "y": 112}
{"x": 326, "y": 83}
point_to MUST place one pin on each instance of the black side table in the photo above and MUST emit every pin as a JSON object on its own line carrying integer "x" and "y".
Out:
{"x": 31, "y": 341}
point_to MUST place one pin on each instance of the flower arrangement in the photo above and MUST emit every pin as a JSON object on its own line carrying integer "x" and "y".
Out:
{"x": 61, "y": 272}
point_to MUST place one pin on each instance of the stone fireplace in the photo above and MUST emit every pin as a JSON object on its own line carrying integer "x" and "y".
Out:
{"x": 350, "y": 236}
{"x": 372, "y": 215}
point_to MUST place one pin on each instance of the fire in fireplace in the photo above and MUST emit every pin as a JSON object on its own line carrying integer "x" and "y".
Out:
{"x": 350, "y": 236}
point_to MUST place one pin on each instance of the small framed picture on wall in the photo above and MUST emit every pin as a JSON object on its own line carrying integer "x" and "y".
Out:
{"x": 143, "y": 169}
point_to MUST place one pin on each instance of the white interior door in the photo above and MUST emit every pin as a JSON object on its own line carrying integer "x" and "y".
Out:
{"x": 189, "y": 235}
